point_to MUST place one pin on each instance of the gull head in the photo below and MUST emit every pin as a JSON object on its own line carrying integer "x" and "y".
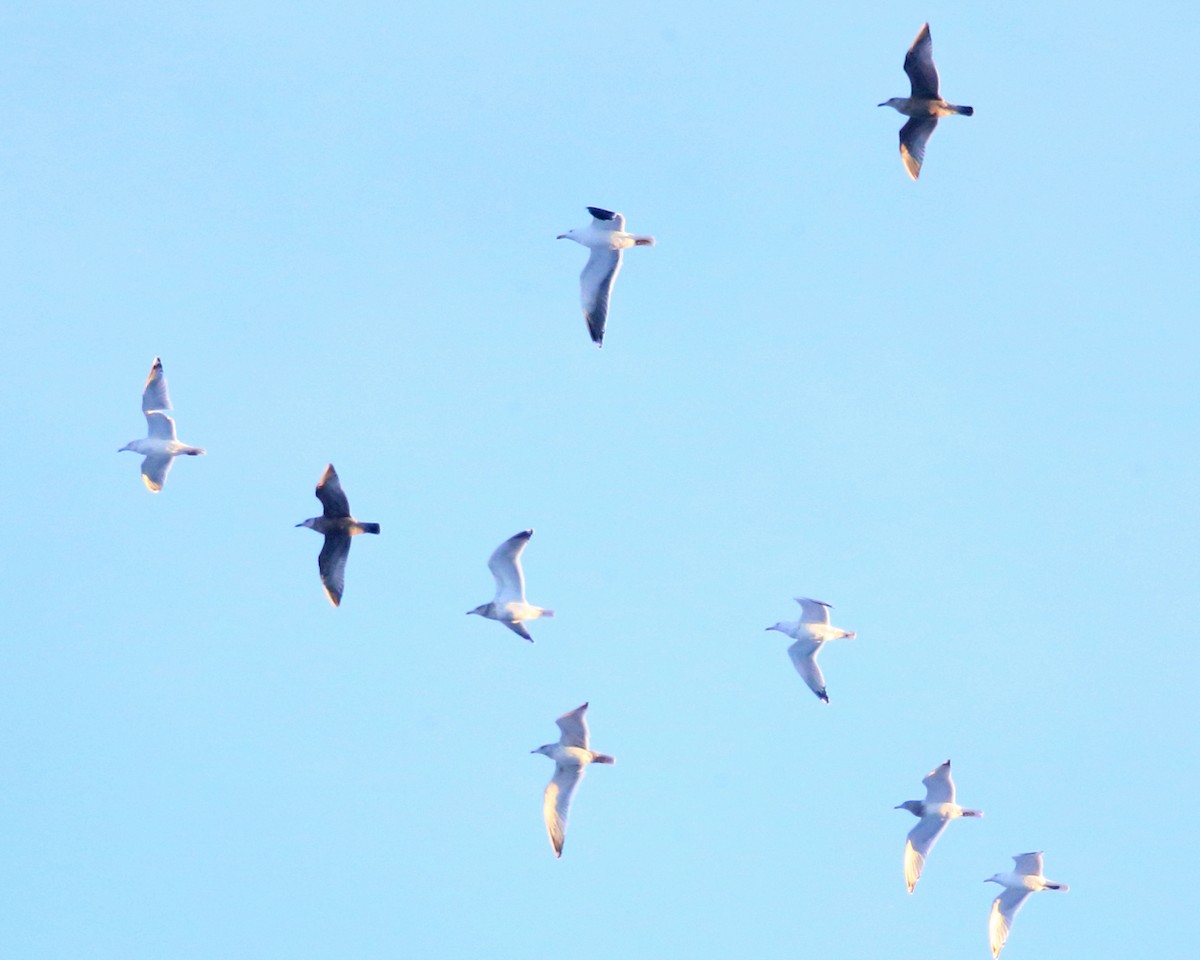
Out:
{"x": 482, "y": 610}
{"x": 912, "y": 806}
{"x": 569, "y": 235}
{"x": 994, "y": 878}
{"x": 782, "y": 627}
{"x": 545, "y": 749}
{"x": 311, "y": 522}
{"x": 128, "y": 446}
{"x": 896, "y": 102}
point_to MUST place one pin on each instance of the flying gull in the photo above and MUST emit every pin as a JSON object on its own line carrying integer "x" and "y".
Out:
{"x": 161, "y": 446}
{"x": 571, "y": 756}
{"x": 338, "y": 527}
{"x": 509, "y": 606}
{"x": 1018, "y": 884}
{"x": 811, "y": 632}
{"x": 606, "y": 238}
{"x": 924, "y": 106}
{"x": 938, "y": 810}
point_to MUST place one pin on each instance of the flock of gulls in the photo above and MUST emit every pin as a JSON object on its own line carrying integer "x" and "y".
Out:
{"x": 606, "y": 239}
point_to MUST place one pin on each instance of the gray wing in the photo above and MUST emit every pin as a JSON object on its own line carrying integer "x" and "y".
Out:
{"x": 913, "y": 137}
{"x": 595, "y": 286}
{"x": 331, "y": 495}
{"x": 556, "y": 804}
{"x": 921, "y": 839}
{"x": 1028, "y": 864}
{"x": 573, "y": 725}
{"x": 607, "y": 219}
{"x": 154, "y": 393}
{"x": 813, "y": 611}
{"x": 939, "y": 786}
{"x": 505, "y": 564}
{"x": 918, "y": 64}
{"x": 159, "y": 426}
{"x": 332, "y": 565}
{"x": 1004, "y": 909}
{"x": 155, "y": 469}
{"x": 519, "y": 629}
{"x": 804, "y": 658}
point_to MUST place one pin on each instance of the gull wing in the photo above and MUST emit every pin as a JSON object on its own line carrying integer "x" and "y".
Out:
{"x": 519, "y": 629}
{"x": 918, "y": 64}
{"x": 913, "y": 137}
{"x": 939, "y": 787}
{"x": 332, "y": 565}
{"x": 155, "y": 469}
{"x": 556, "y": 804}
{"x": 607, "y": 219}
{"x": 804, "y": 657}
{"x": 505, "y": 564}
{"x": 159, "y": 426}
{"x": 154, "y": 393}
{"x": 595, "y": 286}
{"x": 921, "y": 839}
{"x": 573, "y": 725}
{"x": 1028, "y": 864}
{"x": 1004, "y": 909}
{"x": 331, "y": 495}
{"x": 813, "y": 611}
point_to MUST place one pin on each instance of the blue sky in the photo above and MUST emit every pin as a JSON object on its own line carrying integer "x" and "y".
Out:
{"x": 961, "y": 410}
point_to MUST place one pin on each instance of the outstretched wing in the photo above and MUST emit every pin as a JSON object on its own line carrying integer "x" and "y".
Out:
{"x": 332, "y": 565}
{"x": 519, "y": 629}
{"x": 595, "y": 287}
{"x": 918, "y": 64}
{"x": 556, "y": 804}
{"x": 154, "y": 393}
{"x": 913, "y": 137}
{"x": 804, "y": 657}
{"x": 921, "y": 839}
{"x": 573, "y": 725}
{"x": 159, "y": 426}
{"x": 1004, "y": 909}
{"x": 939, "y": 787}
{"x": 155, "y": 469}
{"x": 505, "y": 564}
{"x": 813, "y": 611}
{"x": 331, "y": 495}
{"x": 1028, "y": 864}
{"x": 607, "y": 219}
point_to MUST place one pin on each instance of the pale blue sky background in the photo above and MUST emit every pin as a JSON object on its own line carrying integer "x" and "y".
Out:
{"x": 963, "y": 411}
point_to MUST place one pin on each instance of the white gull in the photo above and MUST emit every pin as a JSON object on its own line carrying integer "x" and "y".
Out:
{"x": 571, "y": 755}
{"x": 509, "y": 606}
{"x": 935, "y": 812}
{"x": 606, "y": 238}
{"x": 811, "y": 632}
{"x": 161, "y": 447}
{"x": 1018, "y": 884}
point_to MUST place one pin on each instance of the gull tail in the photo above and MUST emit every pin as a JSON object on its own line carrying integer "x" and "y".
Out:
{"x": 965, "y": 111}
{"x": 643, "y": 241}
{"x": 605, "y": 758}
{"x": 369, "y": 527}
{"x": 972, "y": 813}
{"x": 547, "y": 613}
{"x": 192, "y": 451}
{"x": 1057, "y": 886}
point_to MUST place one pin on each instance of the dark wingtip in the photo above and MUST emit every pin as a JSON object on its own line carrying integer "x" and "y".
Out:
{"x": 600, "y": 213}
{"x": 823, "y": 696}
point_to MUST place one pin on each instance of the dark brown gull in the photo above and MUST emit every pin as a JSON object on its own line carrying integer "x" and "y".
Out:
{"x": 337, "y": 526}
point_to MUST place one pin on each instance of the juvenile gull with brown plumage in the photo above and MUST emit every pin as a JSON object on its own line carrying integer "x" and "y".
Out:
{"x": 337, "y": 526}
{"x": 923, "y": 106}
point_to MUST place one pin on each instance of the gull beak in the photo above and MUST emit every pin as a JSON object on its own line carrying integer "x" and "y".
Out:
{"x": 561, "y": 236}
{"x": 299, "y": 524}
{"x": 881, "y": 104}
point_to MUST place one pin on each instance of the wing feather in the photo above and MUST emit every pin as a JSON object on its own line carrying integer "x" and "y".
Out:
{"x": 556, "y": 803}
{"x": 921, "y": 839}
{"x": 595, "y": 287}
{"x": 331, "y": 495}
{"x": 505, "y": 564}
{"x": 1000, "y": 920}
